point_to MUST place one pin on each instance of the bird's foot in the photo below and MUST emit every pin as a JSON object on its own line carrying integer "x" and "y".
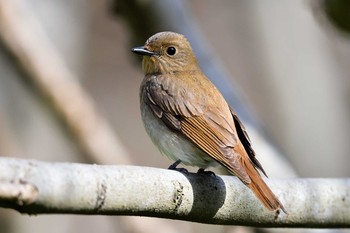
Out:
{"x": 201, "y": 171}
{"x": 175, "y": 168}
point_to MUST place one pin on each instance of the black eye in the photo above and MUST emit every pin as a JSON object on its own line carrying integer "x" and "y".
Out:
{"x": 171, "y": 51}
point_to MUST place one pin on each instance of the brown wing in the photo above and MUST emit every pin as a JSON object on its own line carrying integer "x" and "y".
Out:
{"x": 212, "y": 141}
{"x": 204, "y": 125}
{"x": 244, "y": 138}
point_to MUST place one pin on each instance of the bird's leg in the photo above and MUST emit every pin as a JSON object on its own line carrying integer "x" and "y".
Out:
{"x": 202, "y": 171}
{"x": 174, "y": 167}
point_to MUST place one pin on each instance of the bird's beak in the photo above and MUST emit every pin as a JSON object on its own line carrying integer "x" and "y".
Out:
{"x": 142, "y": 51}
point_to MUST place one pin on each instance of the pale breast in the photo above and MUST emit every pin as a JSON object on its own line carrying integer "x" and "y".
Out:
{"x": 171, "y": 143}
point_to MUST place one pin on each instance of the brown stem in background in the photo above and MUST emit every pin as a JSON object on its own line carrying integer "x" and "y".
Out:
{"x": 27, "y": 42}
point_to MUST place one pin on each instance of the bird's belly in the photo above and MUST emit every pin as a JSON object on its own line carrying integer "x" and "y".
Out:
{"x": 172, "y": 144}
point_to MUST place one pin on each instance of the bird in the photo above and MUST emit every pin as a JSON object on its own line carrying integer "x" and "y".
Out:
{"x": 189, "y": 120}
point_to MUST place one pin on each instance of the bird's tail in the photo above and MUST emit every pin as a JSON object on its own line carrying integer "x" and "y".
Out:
{"x": 260, "y": 188}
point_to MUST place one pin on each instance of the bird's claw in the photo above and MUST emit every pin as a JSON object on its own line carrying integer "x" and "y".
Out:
{"x": 175, "y": 168}
{"x": 201, "y": 171}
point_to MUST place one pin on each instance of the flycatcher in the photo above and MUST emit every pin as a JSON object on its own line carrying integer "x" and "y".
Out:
{"x": 189, "y": 120}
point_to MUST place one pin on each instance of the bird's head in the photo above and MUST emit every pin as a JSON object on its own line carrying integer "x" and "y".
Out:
{"x": 167, "y": 52}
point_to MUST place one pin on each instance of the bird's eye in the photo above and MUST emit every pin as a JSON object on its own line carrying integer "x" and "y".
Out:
{"x": 171, "y": 51}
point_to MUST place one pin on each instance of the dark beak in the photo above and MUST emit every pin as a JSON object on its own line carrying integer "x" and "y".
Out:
{"x": 142, "y": 51}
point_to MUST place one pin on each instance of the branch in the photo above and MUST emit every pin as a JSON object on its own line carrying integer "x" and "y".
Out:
{"x": 26, "y": 40}
{"x": 35, "y": 187}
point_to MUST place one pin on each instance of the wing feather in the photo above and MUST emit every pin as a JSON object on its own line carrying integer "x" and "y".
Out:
{"x": 210, "y": 141}
{"x": 244, "y": 138}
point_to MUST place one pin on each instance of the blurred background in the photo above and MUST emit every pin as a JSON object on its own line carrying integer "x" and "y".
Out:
{"x": 283, "y": 65}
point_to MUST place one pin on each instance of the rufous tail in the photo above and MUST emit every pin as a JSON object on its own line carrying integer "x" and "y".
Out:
{"x": 260, "y": 188}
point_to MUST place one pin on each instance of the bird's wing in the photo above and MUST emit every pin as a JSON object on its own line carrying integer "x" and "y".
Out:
{"x": 244, "y": 138}
{"x": 200, "y": 123}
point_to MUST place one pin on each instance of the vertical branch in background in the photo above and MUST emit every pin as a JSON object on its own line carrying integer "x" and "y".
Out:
{"x": 28, "y": 43}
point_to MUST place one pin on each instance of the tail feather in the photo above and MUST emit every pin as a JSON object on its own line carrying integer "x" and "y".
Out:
{"x": 260, "y": 188}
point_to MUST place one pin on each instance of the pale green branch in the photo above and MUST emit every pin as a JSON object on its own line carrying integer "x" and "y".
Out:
{"x": 143, "y": 191}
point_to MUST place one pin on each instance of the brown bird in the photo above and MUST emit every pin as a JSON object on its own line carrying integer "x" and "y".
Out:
{"x": 189, "y": 120}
